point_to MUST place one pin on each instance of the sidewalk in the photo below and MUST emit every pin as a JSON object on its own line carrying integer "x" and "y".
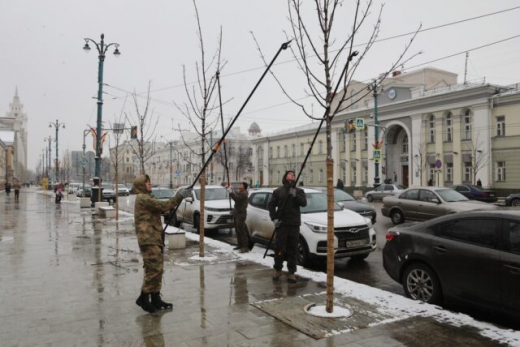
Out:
{"x": 68, "y": 279}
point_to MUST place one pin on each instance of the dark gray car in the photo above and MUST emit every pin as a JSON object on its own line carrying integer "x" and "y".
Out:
{"x": 472, "y": 257}
{"x": 423, "y": 203}
{"x": 347, "y": 201}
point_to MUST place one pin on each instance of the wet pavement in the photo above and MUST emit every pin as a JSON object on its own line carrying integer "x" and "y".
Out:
{"x": 69, "y": 279}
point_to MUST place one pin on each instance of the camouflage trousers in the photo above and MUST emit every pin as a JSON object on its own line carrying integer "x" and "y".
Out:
{"x": 153, "y": 268}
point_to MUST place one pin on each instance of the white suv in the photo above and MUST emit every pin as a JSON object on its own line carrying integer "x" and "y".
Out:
{"x": 217, "y": 209}
{"x": 354, "y": 235}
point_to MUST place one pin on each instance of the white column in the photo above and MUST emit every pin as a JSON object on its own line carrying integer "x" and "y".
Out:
{"x": 415, "y": 142}
{"x": 335, "y": 155}
{"x": 266, "y": 164}
{"x": 481, "y": 135}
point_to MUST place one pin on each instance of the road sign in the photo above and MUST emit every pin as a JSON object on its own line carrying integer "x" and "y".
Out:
{"x": 360, "y": 123}
{"x": 177, "y": 172}
{"x": 438, "y": 164}
{"x": 377, "y": 155}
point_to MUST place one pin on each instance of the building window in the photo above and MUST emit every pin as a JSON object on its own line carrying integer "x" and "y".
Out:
{"x": 431, "y": 130}
{"x": 365, "y": 139}
{"x": 294, "y": 150}
{"x": 354, "y": 176}
{"x": 278, "y": 154}
{"x": 278, "y": 176}
{"x": 501, "y": 126}
{"x": 466, "y": 128}
{"x": 285, "y": 151}
{"x": 501, "y": 171}
{"x": 354, "y": 142}
{"x": 432, "y": 172}
{"x": 467, "y": 172}
{"x": 404, "y": 148}
{"x": 270, "y": 152}
{"x": 342, "y": 145}
{"x": 311, "y": 175}
{"x": 320, "y": 147}
{"x": 449, "y": 127}
{"x": 320, "y": 177}
{"x": 127, "y": 160}
{"x": 365, "y": 175}
{"x": 449, "y": 172}
{"x": 302, "y": 149}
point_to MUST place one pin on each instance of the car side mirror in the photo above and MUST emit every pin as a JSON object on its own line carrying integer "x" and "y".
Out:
{"x": 341, "y": 205}
{"x": 435, "y": 200}
{"x": 189, "y": 200}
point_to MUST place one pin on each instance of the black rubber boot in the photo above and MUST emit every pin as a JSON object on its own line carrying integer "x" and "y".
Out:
{"x": 158, "y": 304}
{"x": 144, "y": 301}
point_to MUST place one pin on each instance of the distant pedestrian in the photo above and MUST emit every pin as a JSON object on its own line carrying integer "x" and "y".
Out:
{"x": 59, "y": 195}
{"x": 430, "y": 182}
{"x": 17, "y": 188}
{"x": 240, "y": 214}
{"x": 257, "y": 185}
{"x": 340, "y": 184}
{"x": 148, "y": 227}
{"x": 479, "y": 183}
{"x": 284, "y": 210}
{"x": 395, "y": 177}
{"x": 8, "y": 188}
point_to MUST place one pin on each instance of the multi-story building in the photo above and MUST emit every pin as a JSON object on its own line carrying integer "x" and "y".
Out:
{"x": 15, "y": 121}
{"x": 429, "y": 127}
{"x": 127, "y": 162}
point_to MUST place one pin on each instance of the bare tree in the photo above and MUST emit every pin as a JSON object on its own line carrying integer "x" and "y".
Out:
{"x": 144, "y": 145}
{"x": 420, "y": 159}
{"x": 479, "y": 159}
{"x": 199, "y": 110}
{"x": 325, "y": 60}
{"x": 66, "y": 168}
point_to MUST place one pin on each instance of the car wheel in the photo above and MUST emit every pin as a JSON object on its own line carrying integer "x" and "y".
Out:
{"x": 397, "y": 217}
{"x": 360, "y": 257}
{"x": 421, "y": 283}
{"x": 303, "y": 252}
{"x": 515, "y": 202}
{"x": 370, "y": 198}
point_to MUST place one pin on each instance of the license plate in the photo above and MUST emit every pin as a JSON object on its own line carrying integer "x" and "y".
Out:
{"x": 356, "y": 243}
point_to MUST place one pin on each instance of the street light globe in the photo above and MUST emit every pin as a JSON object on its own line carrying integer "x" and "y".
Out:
{"x": 86, "y": 48}
{"x": 63, "y": 126}
{"x": 117, "y": 53}
{"x": 50, "y": 126}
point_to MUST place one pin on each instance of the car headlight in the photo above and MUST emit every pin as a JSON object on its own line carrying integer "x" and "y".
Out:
{"x": 317, "y": 228}
{"x": 369, "y": 222}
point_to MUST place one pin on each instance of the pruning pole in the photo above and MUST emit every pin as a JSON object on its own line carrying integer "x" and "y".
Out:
{"x": 222, "y": 121}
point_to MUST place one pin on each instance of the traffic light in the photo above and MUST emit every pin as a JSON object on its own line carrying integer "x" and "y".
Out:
{"x": 133, "y": 132}
{"x": 351, "y": 126}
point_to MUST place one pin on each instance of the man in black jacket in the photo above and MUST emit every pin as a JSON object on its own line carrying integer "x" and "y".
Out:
{"x": 240, "y": 214}
{"x": 284, "y": 210}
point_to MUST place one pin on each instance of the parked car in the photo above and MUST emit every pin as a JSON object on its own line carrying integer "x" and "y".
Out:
{"x": 425, "y": 203}
{"x": 217, "y": 209}
{"x": 122, "y": 190}
{"x": 73, "y": 187}
{"x": 472, "y": 257}
{"x": 476, "y": 193}
{"x": 354, "y": 235}
{"x": 88, "y": 191}
{"x": 347, "y": 201}
{"x": 513, "y": 199}
{"x": 384, "y": 190}
{"x": 108, "y": 192}
{"x": 165, "y": 194}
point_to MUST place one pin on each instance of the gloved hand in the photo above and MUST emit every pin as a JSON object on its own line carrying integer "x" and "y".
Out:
{"x": 184, "y": 192}
{"x": 292, "y": 191}
{"x": 277, "y": 223}
{"x": 229, "y": 190}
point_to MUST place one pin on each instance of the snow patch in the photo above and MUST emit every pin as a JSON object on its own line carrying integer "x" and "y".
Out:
{"x": 321, "y": 311}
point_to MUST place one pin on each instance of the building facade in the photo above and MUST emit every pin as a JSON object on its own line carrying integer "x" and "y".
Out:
{"x": 429, "y": 127}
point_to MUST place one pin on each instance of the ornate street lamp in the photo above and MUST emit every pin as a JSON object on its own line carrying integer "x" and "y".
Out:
{"x": 57, "y": 125}
{"x": 102, "y": 49}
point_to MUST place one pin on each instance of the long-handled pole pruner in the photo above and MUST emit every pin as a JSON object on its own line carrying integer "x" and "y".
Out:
{"x": 222, "y": 121}
{"x": 215, "y": 148}
{"x": 345, "y": 69}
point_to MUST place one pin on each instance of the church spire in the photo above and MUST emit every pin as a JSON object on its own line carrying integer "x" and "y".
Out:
{"x": 16, "y": 93}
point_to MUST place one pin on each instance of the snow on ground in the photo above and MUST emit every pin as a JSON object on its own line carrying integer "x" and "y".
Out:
{"x": 321, "y": 311}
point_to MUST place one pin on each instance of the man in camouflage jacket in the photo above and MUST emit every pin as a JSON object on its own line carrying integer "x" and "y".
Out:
{"x": 149, "y": 228}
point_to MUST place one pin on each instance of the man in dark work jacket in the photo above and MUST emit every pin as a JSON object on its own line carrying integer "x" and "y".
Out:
{"x": 284, "y": 210}
{"x": 240, "y": 214}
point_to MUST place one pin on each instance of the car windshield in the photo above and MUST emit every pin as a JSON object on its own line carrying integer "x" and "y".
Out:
{"x": 213, "y": 194}
{"x": 121, "y": 186}
{"x": 162, "y": 193}
{"x": 317, "y": 202}
{"x": 340, "y": 195}
{"x": 450, "y": 195}
{"x": 398, "y": 186}
{"x": 106, "y": 185}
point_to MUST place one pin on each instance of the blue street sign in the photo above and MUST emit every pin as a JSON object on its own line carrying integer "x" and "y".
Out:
{"x": 377, "y": 155}
{"x": 360, "y": 123}
{"x": 177, "y": 172}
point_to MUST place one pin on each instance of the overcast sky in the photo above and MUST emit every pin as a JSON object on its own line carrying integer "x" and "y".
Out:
{"x": 42, "y": 55}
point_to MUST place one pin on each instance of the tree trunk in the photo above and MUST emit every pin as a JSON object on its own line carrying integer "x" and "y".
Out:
{"x": 201, "y": 219}
{"x": 330, "y": 220}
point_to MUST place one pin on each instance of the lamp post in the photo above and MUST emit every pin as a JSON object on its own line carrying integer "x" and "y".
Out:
{"x": 102, "y": 49}
{"x": 171, "y": 158}
{"x": 374, "y": 88}
{"x": 57, "y": 125}
{"x": 49, "y": 159}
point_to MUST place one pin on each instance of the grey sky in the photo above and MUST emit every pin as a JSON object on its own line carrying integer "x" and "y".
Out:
{"x": 42, "y": 54}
